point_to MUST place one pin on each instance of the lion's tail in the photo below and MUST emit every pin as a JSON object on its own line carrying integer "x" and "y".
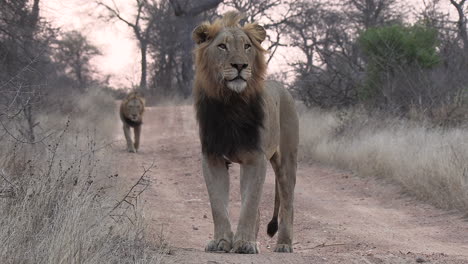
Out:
{"x": 273, "y": 225}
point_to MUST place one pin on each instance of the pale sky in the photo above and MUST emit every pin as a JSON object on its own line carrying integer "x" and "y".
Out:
{"x": 121, "y": 57}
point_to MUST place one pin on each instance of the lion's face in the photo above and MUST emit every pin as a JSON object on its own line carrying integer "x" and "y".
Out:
{"x": 229, "y": 56}
{"x": 134, "y": 109}
{"x": 234, "y": 55}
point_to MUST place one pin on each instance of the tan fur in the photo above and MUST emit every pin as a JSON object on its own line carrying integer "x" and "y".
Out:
{"x": 208, "y": 60}
{"x": 279, "y": 134}
{"x": 131, "y": 114}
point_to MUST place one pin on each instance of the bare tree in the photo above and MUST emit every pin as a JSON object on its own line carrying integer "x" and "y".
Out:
{"x": 331, "y": 70}
{"x": 271, "y": 14}
{"x": 141, "y": 25}
{"x": 461, "y": 23}
{"x": 370, "y": 13}
{"x": 334, "y": 68}
{"x": 171, "y": 43}
{"x": 190, "y": 13}
{"x": 165, "y": 49}
{"x": 74, "y": 52}
{"x": 431, "y": 14}
{"x": 21, "y": 52}
{"x": 186, "y": 8}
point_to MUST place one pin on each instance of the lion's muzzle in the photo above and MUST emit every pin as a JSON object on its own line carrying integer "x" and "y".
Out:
{"x": 239, "y": 66}
{"x": 237, "y": 76}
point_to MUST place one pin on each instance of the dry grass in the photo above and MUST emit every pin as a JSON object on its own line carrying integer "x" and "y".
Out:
{"x": 430, "y": 164}
{"x": 56, "y": 200}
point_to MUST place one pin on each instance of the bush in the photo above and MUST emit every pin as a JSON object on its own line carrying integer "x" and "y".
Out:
{"x": 429, "y": 163}
{"x": 392, "y": 49}
{"x": 56, "y": 201}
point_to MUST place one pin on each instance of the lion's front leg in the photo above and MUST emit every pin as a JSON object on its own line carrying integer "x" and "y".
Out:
{"x": 128, "y": 138}
{"x": 251, "y": 182}
{"x": 217, "y": 182}
{"x": 137, "y": 132}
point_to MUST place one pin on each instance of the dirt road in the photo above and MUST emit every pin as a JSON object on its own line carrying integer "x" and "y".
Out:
{"x": 339, "y": 217}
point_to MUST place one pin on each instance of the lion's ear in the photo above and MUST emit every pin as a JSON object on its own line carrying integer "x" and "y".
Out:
{"x": 200, "y": 33}
{"x": 256, "y": 32}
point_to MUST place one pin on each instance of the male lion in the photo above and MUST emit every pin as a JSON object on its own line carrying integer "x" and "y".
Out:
{"x": 131, "y": 114}
{"x": 246, "y": 120}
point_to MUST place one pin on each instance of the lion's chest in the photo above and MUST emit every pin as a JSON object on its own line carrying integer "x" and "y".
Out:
{"x": 227, "y": 128}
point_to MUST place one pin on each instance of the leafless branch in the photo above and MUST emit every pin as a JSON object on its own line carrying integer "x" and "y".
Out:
{"x": 131, "y": 197}
{"x": 193, "y": 10}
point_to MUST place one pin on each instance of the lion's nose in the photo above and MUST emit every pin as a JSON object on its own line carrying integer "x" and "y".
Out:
{"x": 239, "y": 66}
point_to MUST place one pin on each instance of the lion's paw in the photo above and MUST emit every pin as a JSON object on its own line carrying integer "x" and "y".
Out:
{"x": 131, "y": 150}
{"x": 283, "y": 248}
{"x": 220, "y": 245}
{"x": 245, "y": 247}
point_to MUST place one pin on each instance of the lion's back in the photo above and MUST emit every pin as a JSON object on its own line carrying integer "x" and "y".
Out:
{"x": 283, "y": 123}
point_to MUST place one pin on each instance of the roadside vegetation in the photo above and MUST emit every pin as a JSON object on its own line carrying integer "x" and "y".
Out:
{"x": 429, "y": 163}
{"x": 388, "y": 97}
{"x": 61, "y": 198}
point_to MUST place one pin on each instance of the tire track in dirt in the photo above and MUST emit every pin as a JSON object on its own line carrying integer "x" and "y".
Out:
{"x": 339, "y": 217}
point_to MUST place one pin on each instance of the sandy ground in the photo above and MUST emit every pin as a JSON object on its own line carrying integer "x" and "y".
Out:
{"x": 339, "y": 217}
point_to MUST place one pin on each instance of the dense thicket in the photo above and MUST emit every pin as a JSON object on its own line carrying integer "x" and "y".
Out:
{"x": 40, "y": 68}
{"x": 371, "y": 52}
{"x": 55, "y": 129}
{"x": 374, "y": 53}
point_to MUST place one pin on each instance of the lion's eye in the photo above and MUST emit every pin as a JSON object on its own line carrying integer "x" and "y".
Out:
{"x": 222, "y": 46}
{"x": 247, "y": 46}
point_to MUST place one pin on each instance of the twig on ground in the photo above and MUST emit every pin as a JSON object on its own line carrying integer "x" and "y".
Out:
{"x": 141, "y": 182}
{"x": 131, "y": 197}
{"x": 2, "y": 174}
{"x": 7, "y": 131}
{"x": 326, "y": 245}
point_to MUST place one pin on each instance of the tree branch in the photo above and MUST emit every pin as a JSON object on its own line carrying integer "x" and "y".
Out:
{"x": 116, "y": 13}
{"x": 200, "y": 7}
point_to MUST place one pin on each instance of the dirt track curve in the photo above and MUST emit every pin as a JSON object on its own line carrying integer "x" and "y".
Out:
{"x": 339, "y": 218}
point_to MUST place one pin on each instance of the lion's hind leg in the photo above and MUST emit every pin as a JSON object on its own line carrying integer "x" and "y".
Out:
{"x": 272, "y": 227}
{"x": 285, "y": 172}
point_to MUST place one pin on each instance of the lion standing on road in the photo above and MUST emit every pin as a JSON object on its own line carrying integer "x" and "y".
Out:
{"x": 246, "y": 120}
{"x": 131, "y": 114}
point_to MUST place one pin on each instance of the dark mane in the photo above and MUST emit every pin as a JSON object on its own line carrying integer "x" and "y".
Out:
{"x": 130, "y": 122}
{"x": 229, "y": 125}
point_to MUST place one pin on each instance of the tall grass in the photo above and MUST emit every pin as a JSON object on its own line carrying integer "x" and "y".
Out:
{"x": 56, "y": 201}
{"x": 429, "y": 163}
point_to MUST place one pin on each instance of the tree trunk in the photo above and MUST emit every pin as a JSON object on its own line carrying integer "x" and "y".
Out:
{"x": 79, "y": 78}
{"x": 187, "y": 60}
{"x": 33, "y": 19}
{"x": 461, "y": 24}
{"x": 143, "y": 50}
{"x": 28, "y": 113}
{"x": 189, "y": 15}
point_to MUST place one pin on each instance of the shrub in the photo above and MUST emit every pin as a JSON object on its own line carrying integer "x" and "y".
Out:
{"x": 392, "y": 49}
{"x": 57, "y": 203}
{"x": 428, "y": 163}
